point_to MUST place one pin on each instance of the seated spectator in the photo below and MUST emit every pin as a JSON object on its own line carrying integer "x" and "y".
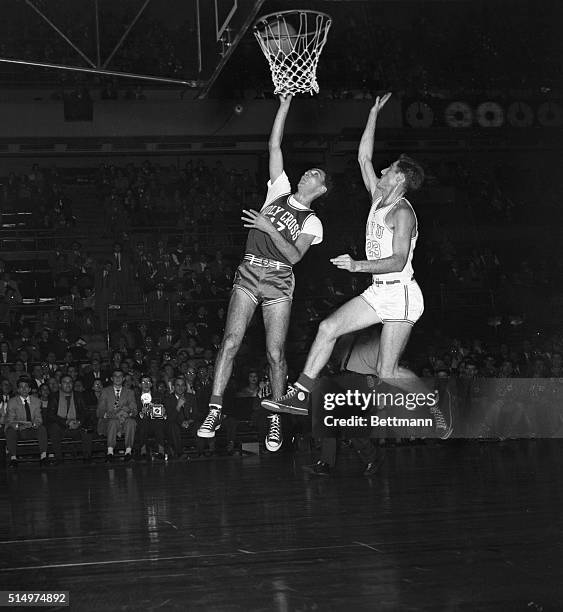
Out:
{"x": 26, "y": 359}
{"x": 6, "y": 355}
{"x": 158, "y": 304}
{"x": 95, "y": 373}
{"x": 168, "y": 376}
{"x": 6, "y": 394}
{"x": 146, "y": 425}
{"x": 37, "y": 378}
{"x": 92, "y": 396}
{"x": 180, "y": 408}
{"x": 117, "y": 410}
{"x": 44, "y": 393}
{"x": 53, "y": 383}
{"x": 139, "y": 362}
{"x": 12, "y": 293}
{"x": 68, "y": 417}
{"x": 60, "y": 345}
{"x": 44, "y": 343}
{"x": 24, "y": 422}
{"x": 252, "y": 388}
{"x": 18, "y": 372}
{"x": 168, "y": 340}
{"x": 51, "y": 362}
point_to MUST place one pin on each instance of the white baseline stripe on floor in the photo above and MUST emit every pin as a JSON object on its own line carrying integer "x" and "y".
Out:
{"x": 175, "y": 558}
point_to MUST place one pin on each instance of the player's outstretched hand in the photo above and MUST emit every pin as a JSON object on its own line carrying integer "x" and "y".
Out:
{"x": 344, "y": 262}
{"x": 381, "y": 101}
{"x": 255, "y": 220}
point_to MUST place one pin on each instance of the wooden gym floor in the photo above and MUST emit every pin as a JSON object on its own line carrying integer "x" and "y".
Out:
{"x": 449, "y": 527}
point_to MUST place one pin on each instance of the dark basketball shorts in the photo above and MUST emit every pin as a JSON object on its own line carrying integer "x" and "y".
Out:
{"x": 265, "y": 284}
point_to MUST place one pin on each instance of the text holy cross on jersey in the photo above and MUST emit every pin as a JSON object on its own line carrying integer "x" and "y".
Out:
{"x": 283, "y": 219}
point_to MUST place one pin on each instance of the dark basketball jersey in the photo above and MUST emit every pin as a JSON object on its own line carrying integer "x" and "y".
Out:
{"x": 287, "y": 219}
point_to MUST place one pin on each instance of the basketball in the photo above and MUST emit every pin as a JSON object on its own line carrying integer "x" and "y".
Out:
{"x": 279, "y": 35}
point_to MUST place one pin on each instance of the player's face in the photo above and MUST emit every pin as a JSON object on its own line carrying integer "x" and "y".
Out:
{"x": 390, "y": 176}
{"x": 312, "y": 181}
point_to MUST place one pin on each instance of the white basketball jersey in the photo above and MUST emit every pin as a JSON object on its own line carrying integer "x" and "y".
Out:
{"x": 379, "y": 240}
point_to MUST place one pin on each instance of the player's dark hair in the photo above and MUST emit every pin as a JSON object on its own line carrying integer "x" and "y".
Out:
{"x": 412, "y": 171}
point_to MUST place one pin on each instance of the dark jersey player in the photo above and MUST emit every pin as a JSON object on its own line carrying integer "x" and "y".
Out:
{"x": 280, "y": 235}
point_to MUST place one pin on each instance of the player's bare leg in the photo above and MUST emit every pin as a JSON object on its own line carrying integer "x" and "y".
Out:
{"x": 393, "y": 341}
{"x": 276, "y": 323}
{"x": 352, "y": 316}
{"x": 239, "y": 314}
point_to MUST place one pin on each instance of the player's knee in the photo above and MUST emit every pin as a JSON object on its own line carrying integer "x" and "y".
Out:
{"x": 231, "y": 343}
{"x": 275, "y": 355}
{"x": 385, "y": 371}
{"x": 328, "y": 329}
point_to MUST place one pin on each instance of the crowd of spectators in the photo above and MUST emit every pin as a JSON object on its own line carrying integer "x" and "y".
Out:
{"x": 182, "y": 289}
{"x": 185, "y": 198}
{"x": 110, "y": 389}
{"x": 40, "y": 194}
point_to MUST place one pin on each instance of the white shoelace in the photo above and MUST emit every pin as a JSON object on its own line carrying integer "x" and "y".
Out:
{"x": 438, "y": 417}
{"x": 274, "y": 432}
{"x": 290, "y": 393}
{"x": 210, "y": 419}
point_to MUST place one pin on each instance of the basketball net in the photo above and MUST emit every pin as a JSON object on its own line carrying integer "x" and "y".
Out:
{"x": 293, "y": 57}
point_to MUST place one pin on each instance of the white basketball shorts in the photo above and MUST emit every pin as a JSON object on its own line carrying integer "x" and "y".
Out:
{"x": 401, "y": 302}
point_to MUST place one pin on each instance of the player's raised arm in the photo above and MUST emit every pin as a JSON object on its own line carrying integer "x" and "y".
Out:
{"x": 274, "y": 145}
{"x": 365, "y": 150}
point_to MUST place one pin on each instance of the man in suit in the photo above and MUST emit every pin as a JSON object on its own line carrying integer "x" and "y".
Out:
{"x": 6, "y": 355}
{"x": 146, "y": 425}
{"x": 179, "y": 407}
{"x": 158, "y": 304}
{"x": 105, "y": 286}
{"x": 24, "y": 422}
{"x": 122, "y": 271}
{"x": 168, "y": 340}
{"x": 5, "y": 395}
{"x": 37, "y": 377}
{"x": 95, "y": 373}
{"x": 68, "y": 417}
{"x": 117, "y": 410}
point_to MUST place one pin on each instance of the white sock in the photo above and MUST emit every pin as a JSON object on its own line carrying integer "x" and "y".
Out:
{"x": 128, "y": 450}
{"x": 43, "y": 455}
{"x": 110, "y": 450}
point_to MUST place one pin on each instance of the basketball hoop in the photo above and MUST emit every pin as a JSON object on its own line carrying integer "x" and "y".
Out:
{"x": 292, "y": 42}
